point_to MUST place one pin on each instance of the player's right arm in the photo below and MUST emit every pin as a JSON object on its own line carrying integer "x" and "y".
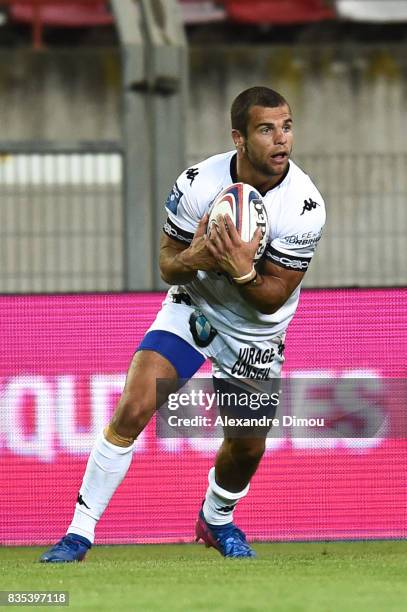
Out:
{"x": 180, "y": 263}
{"x": 183, "y": 246}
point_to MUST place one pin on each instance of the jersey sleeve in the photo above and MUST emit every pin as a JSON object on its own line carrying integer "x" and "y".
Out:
{"x": 297, "y": 238}
{"x": 182, "y": 210}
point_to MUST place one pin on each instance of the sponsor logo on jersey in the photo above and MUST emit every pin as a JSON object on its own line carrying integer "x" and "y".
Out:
{"x": 191, "y": 174}
{"x": 306, "y": 239}
{"x": 174, "y": 232}
{"x": 288, "y": 262}
{"x": 173, "y": 199}
{"x": 309, "y": 205}
{"x": 261, "y": 222}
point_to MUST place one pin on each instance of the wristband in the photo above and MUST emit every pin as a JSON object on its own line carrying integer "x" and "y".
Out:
{"x": 246, "y": 278}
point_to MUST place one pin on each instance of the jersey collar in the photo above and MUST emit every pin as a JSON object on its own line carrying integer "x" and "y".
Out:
{"x": 233, "y": 168}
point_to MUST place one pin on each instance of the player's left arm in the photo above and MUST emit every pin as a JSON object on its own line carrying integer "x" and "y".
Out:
{"x": 287, "y": 256}
{"x": 271, "y": 287}
{"x": 283, "y": 266}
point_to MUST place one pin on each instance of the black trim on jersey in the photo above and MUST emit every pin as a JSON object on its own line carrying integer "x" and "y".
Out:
{"x": 176, "y": 233}
{"x": 289, "y": 262}
{"x": 279, "y": 182}
{"x": 233, "y": 168}
{"x": 235, "y": 178}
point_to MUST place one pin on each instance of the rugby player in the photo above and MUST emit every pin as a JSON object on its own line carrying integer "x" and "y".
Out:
{"x": 214, "y": 286}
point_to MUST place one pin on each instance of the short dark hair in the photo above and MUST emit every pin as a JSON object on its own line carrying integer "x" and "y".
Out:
{"x": 254, "y": 96}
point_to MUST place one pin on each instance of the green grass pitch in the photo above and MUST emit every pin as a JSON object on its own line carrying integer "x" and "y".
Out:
{"x": 311, "y": 577}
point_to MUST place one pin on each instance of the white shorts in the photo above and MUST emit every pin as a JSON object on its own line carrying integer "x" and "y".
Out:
{"x": 230, "y": 357}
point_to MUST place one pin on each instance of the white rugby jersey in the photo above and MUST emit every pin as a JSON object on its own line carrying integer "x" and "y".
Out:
{"x": 296, "y": 214}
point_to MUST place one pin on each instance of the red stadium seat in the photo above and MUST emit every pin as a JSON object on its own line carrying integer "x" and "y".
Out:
{"x": 276, "y": 12}
{"x": 63, "y": 14}
{"x": 57, "y": 13}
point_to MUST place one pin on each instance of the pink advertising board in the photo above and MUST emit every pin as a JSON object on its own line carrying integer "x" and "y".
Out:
{"x": 62, "y": 365}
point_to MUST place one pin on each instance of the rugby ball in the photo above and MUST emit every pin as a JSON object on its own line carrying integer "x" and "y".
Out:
{"x": 245, "y": 207}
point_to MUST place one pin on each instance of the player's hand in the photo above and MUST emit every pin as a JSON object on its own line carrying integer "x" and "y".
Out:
{"x": 230, "y": 252}
{"x": 197, "y": 256}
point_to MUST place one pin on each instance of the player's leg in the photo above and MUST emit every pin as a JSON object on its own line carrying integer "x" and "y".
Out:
{"x": 112, "y": 453}
{"x": 163, "y": 356}
{"x": 229, "y": 481}
{"x": 236, "y": 462}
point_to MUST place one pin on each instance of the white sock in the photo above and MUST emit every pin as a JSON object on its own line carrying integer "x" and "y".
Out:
{"x": 106, "y": 468}
{"x": 219, "y": 504}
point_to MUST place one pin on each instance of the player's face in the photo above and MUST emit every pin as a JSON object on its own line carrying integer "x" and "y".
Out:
{"x": 269, "y": 140}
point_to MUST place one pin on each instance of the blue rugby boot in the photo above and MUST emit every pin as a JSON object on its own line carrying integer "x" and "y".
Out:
{"x": 228, "y": 539}
{"x": 70, "y": 548}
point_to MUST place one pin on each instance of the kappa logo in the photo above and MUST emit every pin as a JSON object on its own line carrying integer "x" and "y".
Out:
{"x": 226, "y": 509}
{"x": 81, "y": 502}
{"x": 280, "y": 348}
{"x": 309, "y": 205}
{"x": 191, "y": 174}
